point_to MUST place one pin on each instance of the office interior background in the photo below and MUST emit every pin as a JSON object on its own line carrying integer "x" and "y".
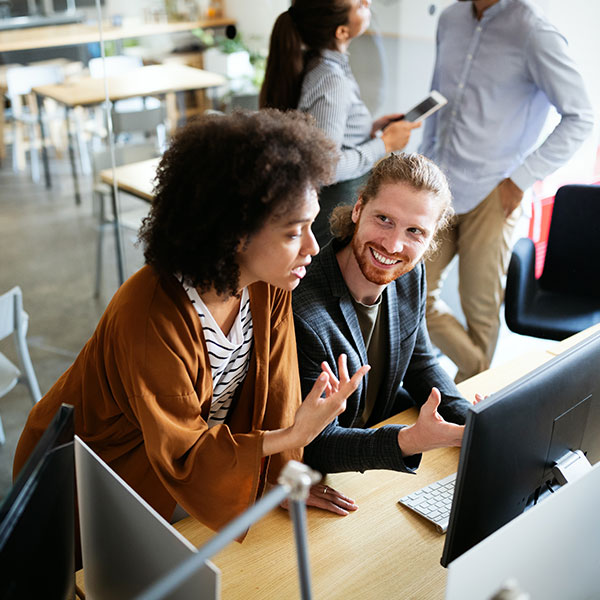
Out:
{"x": 48, "y": 242}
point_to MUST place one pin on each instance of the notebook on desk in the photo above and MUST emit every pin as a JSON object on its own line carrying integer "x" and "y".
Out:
{"x": 126, "y": 545}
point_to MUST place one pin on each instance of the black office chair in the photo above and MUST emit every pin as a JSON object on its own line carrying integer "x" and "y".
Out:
{"x": 566, "y": 298}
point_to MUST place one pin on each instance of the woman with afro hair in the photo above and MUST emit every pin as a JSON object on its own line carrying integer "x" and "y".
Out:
{"x": 189, "y": 387}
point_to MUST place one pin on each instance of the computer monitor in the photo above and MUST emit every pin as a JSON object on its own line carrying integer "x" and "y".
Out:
{"x": 514, "y": 438}
{"x": 126, "y": 545}
{"x": 552, "y": 552}
{"x": 37, "y": 519}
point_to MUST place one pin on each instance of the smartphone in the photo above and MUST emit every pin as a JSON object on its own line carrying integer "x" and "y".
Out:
{"x": 433, "y": 102}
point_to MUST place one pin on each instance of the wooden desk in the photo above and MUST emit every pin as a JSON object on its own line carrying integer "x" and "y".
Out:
{"x": 135, "y": 178}
{"x": 381, "y": 551}
{"x": 556, "y": 349}
{"x": 82, "y": 33}
{"x": 146, "y": 81}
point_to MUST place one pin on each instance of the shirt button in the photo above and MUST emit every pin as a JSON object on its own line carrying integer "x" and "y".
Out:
{"x": 461, "y": 85}
{"x": 479, "y": 28}
{"x": 470, "y": 56}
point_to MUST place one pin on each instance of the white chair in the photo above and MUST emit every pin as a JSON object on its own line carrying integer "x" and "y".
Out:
{"x": 129, "y": 114}
{"x": 13, "y": 319}
{"x": 129, "y": 220}
{"x": 24, "y": 112}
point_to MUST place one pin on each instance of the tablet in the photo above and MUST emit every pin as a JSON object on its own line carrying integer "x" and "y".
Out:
{"x": 426, "y": 107}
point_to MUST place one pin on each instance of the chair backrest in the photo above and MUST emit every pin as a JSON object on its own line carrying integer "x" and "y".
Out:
{"x": 20, "y": 80}
{"x": 124, "y": 155}
{"x": 145, "y": 120}
{"x": 571, "y": 263}
{"x": 11, "y": 307}
{"x": 115, "y": 65}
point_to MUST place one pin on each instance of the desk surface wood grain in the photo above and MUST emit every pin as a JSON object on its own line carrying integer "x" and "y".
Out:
{"x": 383, "y": 550}
{"x": 380, "y": 551}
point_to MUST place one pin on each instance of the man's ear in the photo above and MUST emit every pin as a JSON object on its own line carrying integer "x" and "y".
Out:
{"x": 357, "y": 210}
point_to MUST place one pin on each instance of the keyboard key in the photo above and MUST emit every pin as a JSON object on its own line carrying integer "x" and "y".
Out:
{"x": 433, "y": 502}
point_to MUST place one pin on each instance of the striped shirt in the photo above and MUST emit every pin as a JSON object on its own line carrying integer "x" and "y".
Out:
{"x": 332, "y": 96}
{"x": 229, "y": 355}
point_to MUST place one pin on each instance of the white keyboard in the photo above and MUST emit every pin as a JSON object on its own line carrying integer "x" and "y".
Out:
{"x": 433, "y": 502}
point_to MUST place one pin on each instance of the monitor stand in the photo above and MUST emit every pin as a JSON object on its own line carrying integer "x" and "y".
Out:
{"x": 571, "y": 466}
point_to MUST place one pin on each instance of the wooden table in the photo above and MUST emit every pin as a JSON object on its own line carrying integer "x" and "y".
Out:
{"x": 382, "y": 550}
{"x": 82, "y": 33}
{"x": 153, "y": 80}
{"x": 145, "y": 81}
{"x": 135, "y": 178}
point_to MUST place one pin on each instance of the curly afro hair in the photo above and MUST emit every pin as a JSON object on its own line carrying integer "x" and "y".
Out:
{"x": 221, "y": 179}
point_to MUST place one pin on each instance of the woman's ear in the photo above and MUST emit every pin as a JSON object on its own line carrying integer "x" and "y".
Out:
{"x": 342, "y": 34}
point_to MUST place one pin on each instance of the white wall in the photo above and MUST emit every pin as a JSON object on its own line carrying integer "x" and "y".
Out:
{"x": 255, "y": 19}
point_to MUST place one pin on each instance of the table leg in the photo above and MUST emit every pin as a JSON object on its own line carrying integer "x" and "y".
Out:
{"x": 2, "y": 125}
{"x": 118, "y": 241}
{"x": 72, "y": 157}
{"x": 40, "y": 105}
{"x": 180, "y": 97}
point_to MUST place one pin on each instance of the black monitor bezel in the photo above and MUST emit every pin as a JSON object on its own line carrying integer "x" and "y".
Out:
{"x": 515, "y": 425}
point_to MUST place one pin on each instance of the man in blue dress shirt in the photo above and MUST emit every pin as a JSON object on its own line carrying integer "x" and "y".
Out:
{"x": 502, "y": 66}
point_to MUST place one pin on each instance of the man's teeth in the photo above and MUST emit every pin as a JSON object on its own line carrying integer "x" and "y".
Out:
{"x": 383, "y": 259}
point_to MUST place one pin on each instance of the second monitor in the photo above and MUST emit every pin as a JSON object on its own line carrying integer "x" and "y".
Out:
{"x": 514, "y": 439}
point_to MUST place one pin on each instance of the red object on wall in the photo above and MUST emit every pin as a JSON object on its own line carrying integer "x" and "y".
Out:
{"x": 539, "y": 227}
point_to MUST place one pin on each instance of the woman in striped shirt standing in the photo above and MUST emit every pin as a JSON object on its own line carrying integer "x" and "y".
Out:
{"x": 308, "y": 69}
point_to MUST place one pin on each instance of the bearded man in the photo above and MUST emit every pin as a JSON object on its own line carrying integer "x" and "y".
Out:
{"x": 364, "y": 296}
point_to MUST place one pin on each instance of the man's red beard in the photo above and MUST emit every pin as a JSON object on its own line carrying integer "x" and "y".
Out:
{"x": 378, "y": 276}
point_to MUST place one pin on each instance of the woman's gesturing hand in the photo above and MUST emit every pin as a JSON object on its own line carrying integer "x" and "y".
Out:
{"x": 326, "y": 400}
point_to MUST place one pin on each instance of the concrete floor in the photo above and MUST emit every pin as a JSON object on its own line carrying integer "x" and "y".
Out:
{"x": 48, "y": 248}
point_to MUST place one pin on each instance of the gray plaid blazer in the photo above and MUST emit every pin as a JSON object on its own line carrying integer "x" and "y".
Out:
{"x": 327, "y": 325}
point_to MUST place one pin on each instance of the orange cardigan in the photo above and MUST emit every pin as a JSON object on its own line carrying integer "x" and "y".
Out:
{"x": 142, "y": 388}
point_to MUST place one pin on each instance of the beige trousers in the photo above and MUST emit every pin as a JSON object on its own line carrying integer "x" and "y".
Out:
{"x": 482, "y": 239}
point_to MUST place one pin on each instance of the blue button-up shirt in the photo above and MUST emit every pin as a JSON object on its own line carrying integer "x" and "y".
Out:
{"x": 501, "y": 75}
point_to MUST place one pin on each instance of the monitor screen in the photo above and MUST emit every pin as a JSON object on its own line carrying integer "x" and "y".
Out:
{"x": 127, "y": 546}
{"x": 37, "y": 519}
{"x": 513, "y": 439}
{"x": 562, "y": 532}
